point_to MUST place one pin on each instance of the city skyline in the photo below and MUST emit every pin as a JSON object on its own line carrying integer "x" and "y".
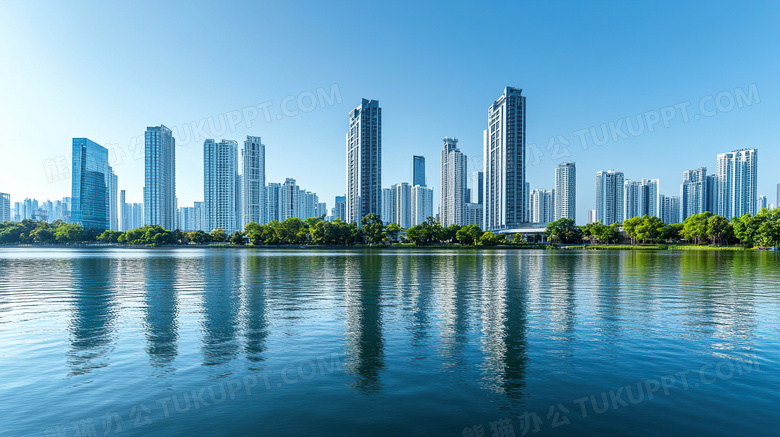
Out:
{"x": 308, "y": 140}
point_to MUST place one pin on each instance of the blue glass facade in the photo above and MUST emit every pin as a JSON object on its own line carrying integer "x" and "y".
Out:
{"x": 418, "y": 171}
{"x": 91, "y": 180}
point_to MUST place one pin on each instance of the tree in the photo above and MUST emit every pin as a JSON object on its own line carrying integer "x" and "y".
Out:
{"x": 199, "y": 237}
{"x": 717, "y": 227}
{"x": 110, "y": 236}
{"x": 469, "y": 234}
{"x": 649, "y": 228}
{"x": 427, "y": 232}
{"x": 392, "y": 230}
{"x": 488, "y": 239}
{"x": 372, "y": 227}
{"x": 671, "y": 232}
{"x": 746, "y": 227}
{"x": 237, "y": 238}
{"x": 695, "y": 227}
{"x": 630, "y": 226}
{"x": 68, "y": 233}
{"x": 769, "y": 233}
{"x": 218, "y": 235}
{"x": 518, "y": 239}
{"x": 449, "y": 234}
{"x": 563, "y": 230}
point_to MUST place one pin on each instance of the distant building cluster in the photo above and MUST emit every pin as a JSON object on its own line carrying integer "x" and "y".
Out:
{"x": 497, "y": 198}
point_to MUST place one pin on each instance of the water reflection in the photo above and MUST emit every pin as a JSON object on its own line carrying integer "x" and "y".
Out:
{"x": 221, "y": 307}
{"x": 562, "y": 271}
{"x": 160, "y": 321}
{"x": 504, "y": 324}
{"x": 454, "y": 285}
{"x": 363, "y": 334}
{"x": 253, "y": 273}
{"x": 92, "y": 321}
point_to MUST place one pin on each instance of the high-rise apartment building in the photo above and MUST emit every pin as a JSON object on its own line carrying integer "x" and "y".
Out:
{"x": 670, "y": 209}
{"x": 694, "y": 192}
{"x": 160, "y": 177}
{"x": 5, "y": 207}
{"x": 737, "y": 184}
{"x": 422, "y": 204}
{"x": 418, "y": 170}
{"x": 388, "y": 206}
{"x": 453, "y": 184}
{"x": 91, "y": 185}
{"x": 477, "y": 189}
{"x": 253, "y": 180}
{"x": 273, "y": 200}
{"x": 401, "y": 196}
{"x": 220, "y": 185}
{"x": 340, "y": 208}
{"x": 126, "y": 215}
{"x": 591, "y": 216}
{"x": 506, "y": 199}
{"x": 542, "y": 206}
{"x": 609, "y": 197}
{"x": 566, "y": 191}
{"x": 761, "y": 203}
{"x": 364, "y": 161}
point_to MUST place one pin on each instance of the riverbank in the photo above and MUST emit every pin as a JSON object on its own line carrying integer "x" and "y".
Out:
{"x": 685, "y": 247}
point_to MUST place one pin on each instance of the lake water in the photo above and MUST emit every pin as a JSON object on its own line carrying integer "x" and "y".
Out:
{"x": 160, "y": 342}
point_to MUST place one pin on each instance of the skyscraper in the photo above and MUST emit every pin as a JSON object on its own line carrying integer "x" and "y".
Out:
{"x": 220, "y": 185}
{"x": 542, "y": 209}
{"x": 160, "y": 177}
{"x": 91, "y": 183}
{"x": 761, "y": 203}
{"x": 340, "y": 208}
{"x": 778, "y": 196}
{"x": 477, "y": 188}
{"x": 289, "y": 205}
{"x": 453, "y": 184}
{"x": 388, "y": 206}
{"x": 126, "y": 213}
{"x": 694, "y": 192}
{"x": 364, "y": 161}
{"x": 5, "y": 207}
{"x": 418, "y": 170}
{"x": 737, "y": 183}
{"x": 113, "y": 211}
{"x": 670, "y": 209}
{"x": 138, "y": 215}
{"x": 504, "y": 162}
{"x": 401, "y": 195}
{"x": 253, "y": 179}
{"x": 566, "y": 191}
{"x": 422, "y": 204}
{"x": 273, "y": 200}
{"x": 609, "y": 197}
{"x": 649, "y": 199}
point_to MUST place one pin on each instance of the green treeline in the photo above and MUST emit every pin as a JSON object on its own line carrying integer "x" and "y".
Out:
{"x": 292, "y": 231}
{"x": 762, "y": 229}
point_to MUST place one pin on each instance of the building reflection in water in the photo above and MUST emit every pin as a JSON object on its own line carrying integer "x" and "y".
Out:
{"x": 254, "y": 271}
{"x": 454, "y": 288}
{"x": 161, "y": 318}
{"x": 722, "y": 313}
{"x": 92, "y": 330}
{"x": 221, "y": 308}
{"x": 561, "y": 270}
{"x": 608, "y": 296}
{"x": 363, "y": 331}
{"x": 420, "y": 297}
{"x": 504, "y": 324}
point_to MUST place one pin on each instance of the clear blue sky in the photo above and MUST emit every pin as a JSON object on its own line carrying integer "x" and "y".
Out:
{"x": 107, "y": 70}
